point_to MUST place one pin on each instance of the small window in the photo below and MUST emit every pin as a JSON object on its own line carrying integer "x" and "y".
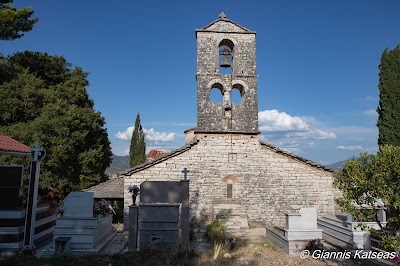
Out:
{"x": 229, "y": 188}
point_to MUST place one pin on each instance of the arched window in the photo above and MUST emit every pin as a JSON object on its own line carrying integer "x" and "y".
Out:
{"x": 237, "y": 94}
{"x": 226, "y": 56}
{"x": 216, "y": 94}
{"x": 230, "y": 181}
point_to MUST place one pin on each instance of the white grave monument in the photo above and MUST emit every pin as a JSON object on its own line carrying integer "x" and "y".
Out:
{"x": 78, "y": 230}
{"x": 300, "y": 229}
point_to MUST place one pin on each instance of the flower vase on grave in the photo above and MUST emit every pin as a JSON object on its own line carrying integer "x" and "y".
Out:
{"x": 134, "y": 199}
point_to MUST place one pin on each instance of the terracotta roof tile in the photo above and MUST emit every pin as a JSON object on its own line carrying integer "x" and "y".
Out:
{"x": 155, "y": 154}
{"x": 9, "y": 144}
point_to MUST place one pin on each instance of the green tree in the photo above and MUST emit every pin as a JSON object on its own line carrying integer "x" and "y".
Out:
{"x": 137, "y": 151}
{"x": 43, "y": 99}
{"x": 371, "y": 182}
{"x": 14, "y": 21}
{"x": 389, "y": 98}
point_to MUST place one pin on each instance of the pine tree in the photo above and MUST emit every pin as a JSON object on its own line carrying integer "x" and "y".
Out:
{"x": 43, "y": 99}
{"x": 14, "y": 21}
{"x": 389, "y": 98}
{"x": 137, "y": 151}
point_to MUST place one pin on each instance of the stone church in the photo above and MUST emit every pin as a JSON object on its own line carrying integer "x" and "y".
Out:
{"x": 227, "y": 164}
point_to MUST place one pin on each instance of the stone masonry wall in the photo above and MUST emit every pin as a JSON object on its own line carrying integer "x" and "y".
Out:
{"x": 268, "y": 183}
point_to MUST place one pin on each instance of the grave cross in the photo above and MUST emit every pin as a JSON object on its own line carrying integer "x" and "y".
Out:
{"x": 38, "y": 154}
{"x": 185, "y": 172}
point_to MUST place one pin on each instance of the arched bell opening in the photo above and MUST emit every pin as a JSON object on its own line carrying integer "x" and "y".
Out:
{"x": 216, "y": 93}
{"x": 237, "y": 94}
{"x": 225, "y": 56}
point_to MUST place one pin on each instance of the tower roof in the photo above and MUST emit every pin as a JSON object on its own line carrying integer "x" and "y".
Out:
{"x": 224, "y": 25}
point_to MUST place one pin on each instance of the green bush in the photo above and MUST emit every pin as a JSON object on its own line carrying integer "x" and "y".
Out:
{"x": 216, "y": 230}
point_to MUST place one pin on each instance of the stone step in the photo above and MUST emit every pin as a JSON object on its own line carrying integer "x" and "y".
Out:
{"x": 335, "y": 232}
{"x": 250, "y": 234}
{"x": 233, "y": 215}
{"x": 333, "y": 221}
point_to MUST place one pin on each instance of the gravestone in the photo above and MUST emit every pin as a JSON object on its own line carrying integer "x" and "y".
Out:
{"x": 162, "y": 217}
{"x": 308, "y": 218}
{"x": 10, "y": 187}
{"x": 300, "y": 229}
{"x": 79, "y": 204}
{"x": 78, "y": 230}
{"x": 159, "y": 225}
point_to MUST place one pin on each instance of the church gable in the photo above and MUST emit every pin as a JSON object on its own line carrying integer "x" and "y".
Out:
{"x": 225, "y": 26}
{"x": 295, "y": 157}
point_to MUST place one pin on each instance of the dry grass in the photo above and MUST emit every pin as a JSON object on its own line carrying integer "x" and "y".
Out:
{"x": 257, "y": 252}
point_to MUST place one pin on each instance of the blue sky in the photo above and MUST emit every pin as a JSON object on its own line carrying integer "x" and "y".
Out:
{"x": 317, "y": 63}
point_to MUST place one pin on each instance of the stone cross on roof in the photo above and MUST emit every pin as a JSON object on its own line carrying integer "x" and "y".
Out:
{"x": 185, "y": 172}
{"x": 222, "y": 15}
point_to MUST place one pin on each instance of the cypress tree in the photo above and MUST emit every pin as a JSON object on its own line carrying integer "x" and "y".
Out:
{"x": 389, "y": 98}
{"x": 137, "y": 151}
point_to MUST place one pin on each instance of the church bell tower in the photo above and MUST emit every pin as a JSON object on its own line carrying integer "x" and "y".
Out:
{"x": 226, "y": 64}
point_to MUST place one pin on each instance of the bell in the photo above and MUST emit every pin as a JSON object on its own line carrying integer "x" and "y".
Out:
{"x": 225, "y": 62}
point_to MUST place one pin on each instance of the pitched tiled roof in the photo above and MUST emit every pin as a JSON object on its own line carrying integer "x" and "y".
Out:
{"x": 142, "y": 166}
{"x": 189, "y": 146}
{"x": 111, "y": 189}
{"x": 225, "y": 20}
{"x": 8, "y": 144}
{"x": 295, "y": 157}
{"x": 156, "y": 154}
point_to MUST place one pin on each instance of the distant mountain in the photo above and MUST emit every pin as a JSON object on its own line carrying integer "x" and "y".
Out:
{"x": 337, "y": 166}
{"x": 119, "y": 164}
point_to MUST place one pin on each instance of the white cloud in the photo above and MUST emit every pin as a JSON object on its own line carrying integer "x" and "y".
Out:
{"x": 126, "y": 151}
{"x": 273, "y": 120}
{"x": 291, "y": 133}
{"x": 315, "y": 134}
{"x": 357, "y": 133}
{"x": 153, "y": 135}
{"x": 349, "y": 148}
{"x": 370, "y": 112}
{"x": 371, "y": 99}
{"x": 150, "y": 135}
{"x": 125, "y": 135}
